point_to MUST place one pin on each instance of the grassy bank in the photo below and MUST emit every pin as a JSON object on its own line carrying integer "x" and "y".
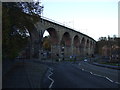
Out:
{"x": 114, "y": 64}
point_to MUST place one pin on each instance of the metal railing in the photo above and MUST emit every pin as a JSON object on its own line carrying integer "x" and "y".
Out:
{"x": 62, "y": 24}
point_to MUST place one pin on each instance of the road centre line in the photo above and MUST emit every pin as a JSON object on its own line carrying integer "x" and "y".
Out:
{"x": 98, "y": 75}
{"x": 101, "y": 76}
{"x": 50, "y": 69}
{"x": 82, "y": 69}
{"x": 117, "y": 82}
{"x": 91, "y": 73}
{"x": 109, "y": 79}
{"x": 79, "y": 64}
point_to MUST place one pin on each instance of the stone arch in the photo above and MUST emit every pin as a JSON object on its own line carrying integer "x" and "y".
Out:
{"x": 66, "y": 39}
{"x": 91, "y": 47}
{"x": 76, "y": 45}
{"x": 83, "y": 42}
{"x": 54, "y": 41}
{"x": 53, "y": 35}
{"x": 94, "y": 46}
{"x": 82, "y": 46}
{"x": 76, "y": 41}
{"x": 87, "y": 46}
{"x": 90, "y": 44}
{"x": 65, "y": 44}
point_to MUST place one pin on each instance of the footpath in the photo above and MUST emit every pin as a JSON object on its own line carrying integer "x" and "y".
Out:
{"x": 25, "y": 74}
{"x": 107, "y": 66}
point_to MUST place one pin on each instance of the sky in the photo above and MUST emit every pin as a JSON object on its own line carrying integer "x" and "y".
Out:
{"x": 95, "y": 18}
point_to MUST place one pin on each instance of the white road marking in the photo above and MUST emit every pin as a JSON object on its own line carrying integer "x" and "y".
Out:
{"x": 79, "y": 64}
{"x": 91, "y": 73}
{"x": 109, "y": 79}
{"x": 50, "y": 77}
{"x": 117, "y": 82}
{"x": 99, "y": 75}
{"x": 82, "y": 69}
{"x": 51, "y": 69}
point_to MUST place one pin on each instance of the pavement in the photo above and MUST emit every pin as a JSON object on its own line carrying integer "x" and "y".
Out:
{"x": 24, "y": 75}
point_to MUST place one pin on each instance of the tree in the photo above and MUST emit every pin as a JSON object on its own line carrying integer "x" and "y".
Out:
{"x": 47, "y": 43}
{"x": 108, "y": 37}
{"x": 31, "y": 8}
{"x": 102, "y": 39}
{"x": 114, "y": 36}
{"x": 16, "y": 20}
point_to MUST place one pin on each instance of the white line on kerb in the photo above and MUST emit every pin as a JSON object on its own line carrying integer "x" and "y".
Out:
{"x": 50, "y": 78}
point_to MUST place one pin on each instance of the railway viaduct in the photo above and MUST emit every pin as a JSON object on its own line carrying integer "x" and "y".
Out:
{"x": 65, "y": 41}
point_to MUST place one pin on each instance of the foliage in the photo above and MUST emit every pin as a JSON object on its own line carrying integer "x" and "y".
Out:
{"x": 108, "y": 41}
{"x": 102, "y": 39}
{"x": 113, "y": 64}
{"x": 31, "y": 8}
{"x": 17, "y": 18}
{"x": 107, "y": 38}
{"x": 47, "y": 43}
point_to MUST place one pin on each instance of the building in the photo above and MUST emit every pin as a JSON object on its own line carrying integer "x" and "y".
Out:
{"x": 111, "y": 50}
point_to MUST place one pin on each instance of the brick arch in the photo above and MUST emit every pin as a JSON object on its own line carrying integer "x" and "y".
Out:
{"x": 53, "y": 35}
{"x": 66, "y": 39}
{"x": 87, "y": 43}
{"x": 82, "y": 44}
{"x": 76, "y": 41}
{"x": 91, "y": 44}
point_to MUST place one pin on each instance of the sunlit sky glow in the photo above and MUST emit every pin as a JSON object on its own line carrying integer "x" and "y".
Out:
{"x": 95, "y": 18}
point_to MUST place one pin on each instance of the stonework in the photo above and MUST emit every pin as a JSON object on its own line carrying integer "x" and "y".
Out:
{"x": 73, "y": 42}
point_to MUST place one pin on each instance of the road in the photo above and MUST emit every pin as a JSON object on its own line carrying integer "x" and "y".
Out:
{"x": 24, "y": 75}
{"x": 70, "y": 75}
